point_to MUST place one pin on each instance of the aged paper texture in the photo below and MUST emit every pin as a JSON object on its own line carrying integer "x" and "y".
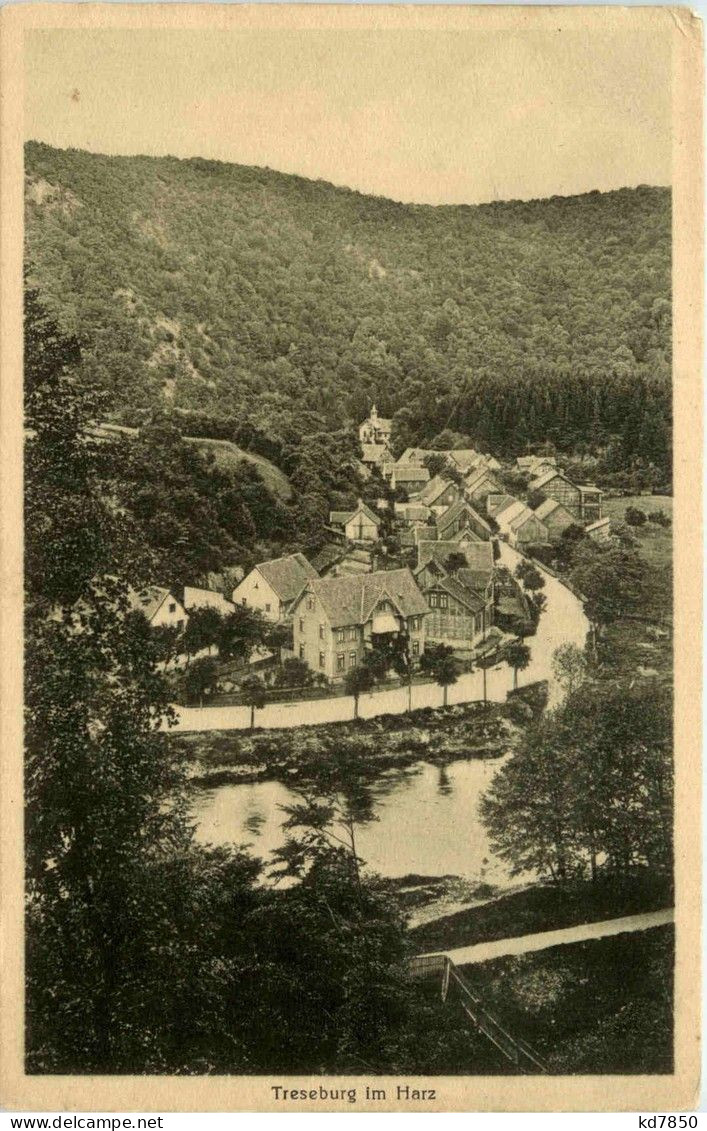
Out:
{"x": 347, "y": 433}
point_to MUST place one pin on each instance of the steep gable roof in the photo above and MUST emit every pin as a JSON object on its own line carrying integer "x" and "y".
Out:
{"x": 479, "y": 475}
{"x": 552, "y": 507}
{"x": 340, "y": 518}
{"x": 479, "y": 555}
{"x": 464, "y": 457}
{"x": 436, "y": 487}
{"x": 351, "y": 598}
{"x": 500, "y": 503}
{"x": 416, "y": 455}
{"x": 288, "y": 575}
{"x": 456, "y": 510}
{"x": 454, "y": 585}
{"x": 374, "y": 453}
{"x": 148, "y": 600}
{"x": 552, "y": 473}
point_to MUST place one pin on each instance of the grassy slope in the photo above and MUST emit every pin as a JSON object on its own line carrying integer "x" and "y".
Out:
{"x": 603, "y": 1006}
{"x": 228, "y": 454}
{"x": 541, "y": 909}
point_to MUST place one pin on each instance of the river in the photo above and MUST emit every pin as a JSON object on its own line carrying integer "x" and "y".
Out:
{"x": 425, "y": 821}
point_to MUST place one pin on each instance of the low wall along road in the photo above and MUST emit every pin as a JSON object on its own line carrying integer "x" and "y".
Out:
{"x": 563, "y": 621}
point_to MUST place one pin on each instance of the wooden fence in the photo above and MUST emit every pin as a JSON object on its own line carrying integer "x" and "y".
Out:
{"x": 455, "y": 988}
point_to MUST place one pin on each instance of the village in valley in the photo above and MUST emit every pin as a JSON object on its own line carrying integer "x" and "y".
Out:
{"x": 408, "y": 584}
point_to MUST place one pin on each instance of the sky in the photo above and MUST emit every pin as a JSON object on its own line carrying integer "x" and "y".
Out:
{"x": 427, "y": 116}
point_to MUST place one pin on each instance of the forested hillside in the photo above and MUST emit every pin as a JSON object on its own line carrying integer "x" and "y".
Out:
{"x": 272, "y": 307}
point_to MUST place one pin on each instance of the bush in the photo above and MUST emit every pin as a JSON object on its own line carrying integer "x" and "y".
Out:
{"x": 635, "y": 517}
{"x": 660, "y": 518}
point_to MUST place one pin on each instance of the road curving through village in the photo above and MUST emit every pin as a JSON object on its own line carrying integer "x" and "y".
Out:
{"x": 563, "y": 621}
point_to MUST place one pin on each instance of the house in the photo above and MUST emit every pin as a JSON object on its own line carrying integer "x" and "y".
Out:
{"x": 521, "y": 526}
{"x": 326, "y": 559}
{"x": 337, "y": 619}
{"x": 374, "y": 455}
{"x": 554, "y": 485}
{"x": 273, "y": 586}
{"x": 417, "y": 456}
{"x": 464, "y": 458}
{"x": 206, "y": 599}
{"x": 414, "y": 514}
{"x": 556, "y": 518}
{"x": 159, "y": 607}
{"x": 461, "y": 517}
{"x": 375, "y": 430}
{"x": 496, "y": 502}
{"x": 458, "y": 616}
{"x": 359, "y": 525}
{"x": 599, "y": 531}
{"x": 583, "y": 502}
{"x": 533, "y": 466}
{"x": 479, "y": 483}
{"x": 439, "y": 494}
{"x": 411, "y": 479}
{"x": 478, "y": 574}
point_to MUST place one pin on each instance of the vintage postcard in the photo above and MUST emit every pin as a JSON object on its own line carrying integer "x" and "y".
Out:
{"x": 351, "y": 603}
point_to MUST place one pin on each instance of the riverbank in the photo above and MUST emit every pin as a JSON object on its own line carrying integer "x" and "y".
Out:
{"x": 360, "y": 749}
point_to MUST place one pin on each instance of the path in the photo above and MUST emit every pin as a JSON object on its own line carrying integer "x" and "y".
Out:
{"x": 524, "y": 944}
{"x": 562, "y": 621}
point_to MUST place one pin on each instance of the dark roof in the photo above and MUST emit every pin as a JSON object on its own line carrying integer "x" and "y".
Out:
{"x": 501, "y": 502}
{"x": 435, "y": 488}
{"x": 407, "y": 474}
{"x": 456, "y": 588}
{"x": 327, "y": 556}
{"x": 287, "y": 575}
{"x": 340, "y": 518}
{"x": 479, "y": 555}
{"x": 350, "y": 599}
{"x": 460, "y": 507}
{"x": 547, "y": 476}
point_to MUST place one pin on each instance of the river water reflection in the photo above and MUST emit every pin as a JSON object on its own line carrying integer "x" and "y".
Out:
{"x": 423, "y": 819}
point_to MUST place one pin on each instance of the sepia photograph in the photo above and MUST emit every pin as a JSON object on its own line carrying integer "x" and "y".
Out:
{"x": 348, "y": 462}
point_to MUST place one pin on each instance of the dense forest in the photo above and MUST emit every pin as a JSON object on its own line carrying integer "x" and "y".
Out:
{"x": 265, "y": 307}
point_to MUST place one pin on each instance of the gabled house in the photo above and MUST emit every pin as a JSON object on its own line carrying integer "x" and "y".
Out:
{"x": 498, "y": 502}
{"x": 158, "y": 606}
{"x": 479, "y": 483}
{"x": 439, "y": 494}
{"x": 337, "y": 619}
{"x": 411, "y": 479}
{"x": 458, "y": 616}
{"x": 521, "y": 526}
{"x": 555, "y": 517}
{"x": 273, "y": 586}
{"x": 417, "y": 456}
{"x": 554, "y": 485}
{"x": 533, "y": 466}
{"x": 359, "y": 525}
{"x": 195, "y": 598}
{"x": 477, "y": 574}
{"x": 462, "y": 518}
{"x": 464, "y": 458}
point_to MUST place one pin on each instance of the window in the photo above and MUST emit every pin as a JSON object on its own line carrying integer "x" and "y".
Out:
{"x": 180, "y": 622}
{"x": 310, "y": 602}
{"x": 321, "y": 659}
{"x": 433, "y": 600}
{"x": 414, "y": 624}
{"x": 321, "y": 631}
{"x": 172, "y": 606}
{"x": 267, "y": 607}
{"x": 340, "y": 635}
{"x": 301, "y": 624}
{"x": 353, "y": 632}
{"x": 243, "y": 600}
{"x": 340, "y": 661}
{"x": 301, "y": 651}
{"x": 416, "y": 647}
{"x": 443, "y": 601}
{"x": 353, "y": 658}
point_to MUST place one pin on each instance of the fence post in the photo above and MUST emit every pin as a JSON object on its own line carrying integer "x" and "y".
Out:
{"x": 445, "y": 977}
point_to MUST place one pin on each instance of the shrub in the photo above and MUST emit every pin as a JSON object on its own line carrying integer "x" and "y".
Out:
{"x": 634, "y": 516}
